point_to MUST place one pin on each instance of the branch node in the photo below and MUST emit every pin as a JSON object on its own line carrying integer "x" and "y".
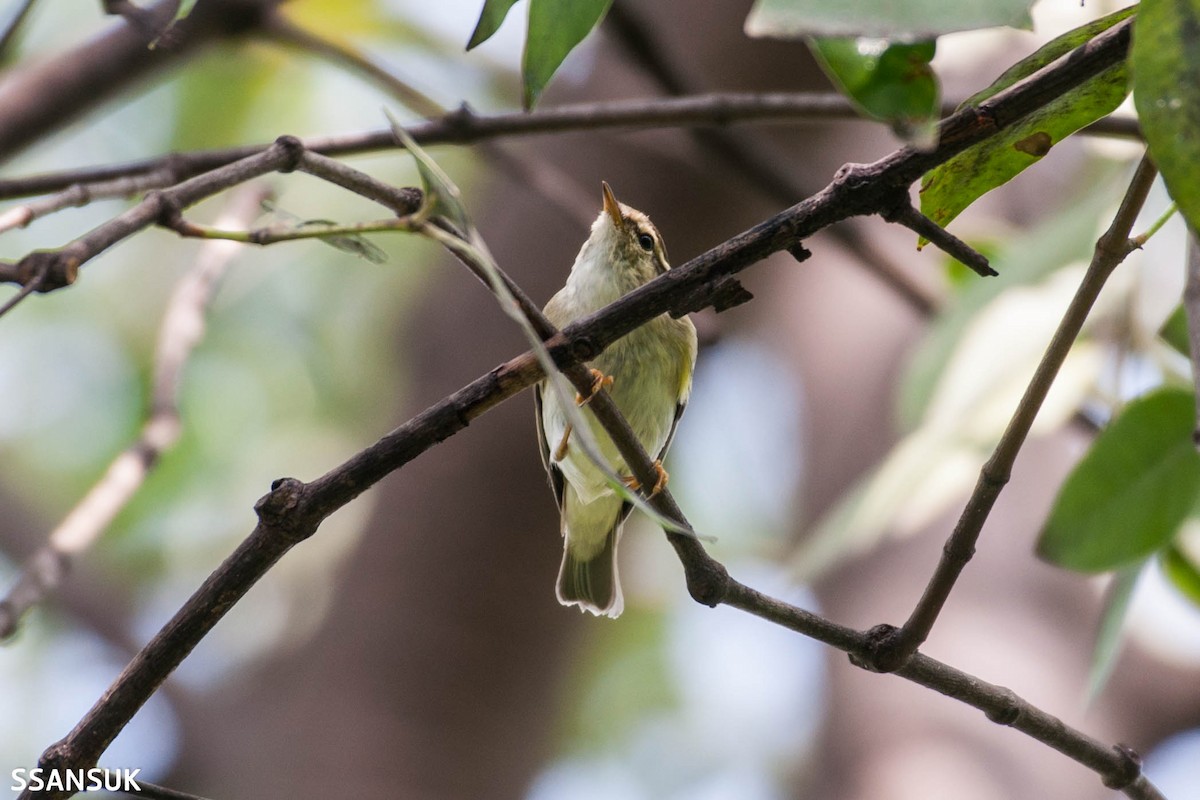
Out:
{"x": 169, "y": 209}
{"x": 282, "y": 510}
{"x": 706, "y": 578}
{"x": 1006, "y": 714}
{"x": 293, "y": 148}
{"x": 800, "y": 252}
{"x": 883, "y": 650}
{"x": 1129, "y": 769}
{"x": 48, "y": 269}
{"x": 460, "y": 121}
{"x": 903, "y": 212}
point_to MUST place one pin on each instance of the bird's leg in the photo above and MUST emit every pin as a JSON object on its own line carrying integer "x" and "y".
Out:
{"x": 660, "y": 484}
{"x": 599, "y": 381}
{"x": 560, "y": 452}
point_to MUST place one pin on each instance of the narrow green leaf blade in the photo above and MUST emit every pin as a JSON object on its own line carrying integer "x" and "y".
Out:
{"x": 1129, "y": 494}
{"x": 889, "y": 81}
{"x": 1166, "y": 93}
{"x": 1182, "y": 572}
{"x": 441, "y": 195}
{"x": 490, "y": 19}
{"x": 1108, "y": 637}
{"x": 915, "y": 19}
{"x": 1175, "y": 331}
{"x": 555, "y": 27}
{"x": 959, "y": 182}
{"x": 185, "y": 8}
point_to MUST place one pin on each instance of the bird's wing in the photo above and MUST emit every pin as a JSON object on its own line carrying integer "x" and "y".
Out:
{"x": 556, "y": 477}
{"x": 679, "y": 408}
{"x": 685, "y": 388}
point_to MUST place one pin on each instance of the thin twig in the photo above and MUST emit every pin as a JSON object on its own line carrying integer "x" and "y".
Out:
{"x": 28, "y": 287}
{"x": 464, "y": 126}
{"x": 182, "y": 327}
{"x": 907, "y": 215}
{"x": 60, "y": 266}
{"x": 895, "y": 646}
{"x": 80, "y": 194}
{"x": 1163, "y": 218}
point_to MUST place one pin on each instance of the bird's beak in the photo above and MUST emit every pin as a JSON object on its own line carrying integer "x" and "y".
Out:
{"x": 611, "y": 205}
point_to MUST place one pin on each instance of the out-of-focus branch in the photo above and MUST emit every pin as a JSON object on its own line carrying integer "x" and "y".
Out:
{"x": 80, "y": 194}
{"x": 47, "y": 270}
{"x": 51, "y": 93}
{"x": 182, "y": 328}
{"x": 464, "y": 126}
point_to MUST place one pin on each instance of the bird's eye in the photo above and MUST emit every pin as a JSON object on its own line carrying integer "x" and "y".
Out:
{"x": 647, "y": 242}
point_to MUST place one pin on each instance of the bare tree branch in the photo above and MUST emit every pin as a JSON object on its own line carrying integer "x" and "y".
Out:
{"x": 464, "y": 126}
{"x": 58, "y": 268}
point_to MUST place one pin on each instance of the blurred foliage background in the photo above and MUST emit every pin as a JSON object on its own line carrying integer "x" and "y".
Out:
{"x": 414, "y": 648}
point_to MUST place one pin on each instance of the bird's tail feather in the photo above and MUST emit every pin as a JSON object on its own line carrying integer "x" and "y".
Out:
{"x": 593, "y": 584}
{"x": 588, "y": 575}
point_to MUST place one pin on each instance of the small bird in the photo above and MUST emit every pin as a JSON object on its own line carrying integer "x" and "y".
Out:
{"x": 649, "y": 374}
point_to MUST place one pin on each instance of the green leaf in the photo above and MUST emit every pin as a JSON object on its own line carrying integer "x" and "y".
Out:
{"x": 916, "y": 19}
{"x": 353, "y": 243}
{"x": 441, "y": 197}
{"x": 1108, "y": 638}
{"x": 889, "y": 81}
{"x": 490, "y": 19}
{"x": 555, "y": 27}
{"x": 1129, "y": 494}
{"x": 1182, "y": 572}
{"x": 1166, "y": 92}
{"x": 1175, "y": 331}
{"x": 184, "y": 9}
{"x": 951, "y": 187}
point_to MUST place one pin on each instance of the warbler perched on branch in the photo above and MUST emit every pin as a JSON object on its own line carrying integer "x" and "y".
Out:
{"x": 649, "y": 375}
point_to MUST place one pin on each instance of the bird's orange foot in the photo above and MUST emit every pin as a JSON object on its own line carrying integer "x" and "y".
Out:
{"x": 599, "y": 381}
{"x": 659, "y": 484}
{"x": 663, "y": 477}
